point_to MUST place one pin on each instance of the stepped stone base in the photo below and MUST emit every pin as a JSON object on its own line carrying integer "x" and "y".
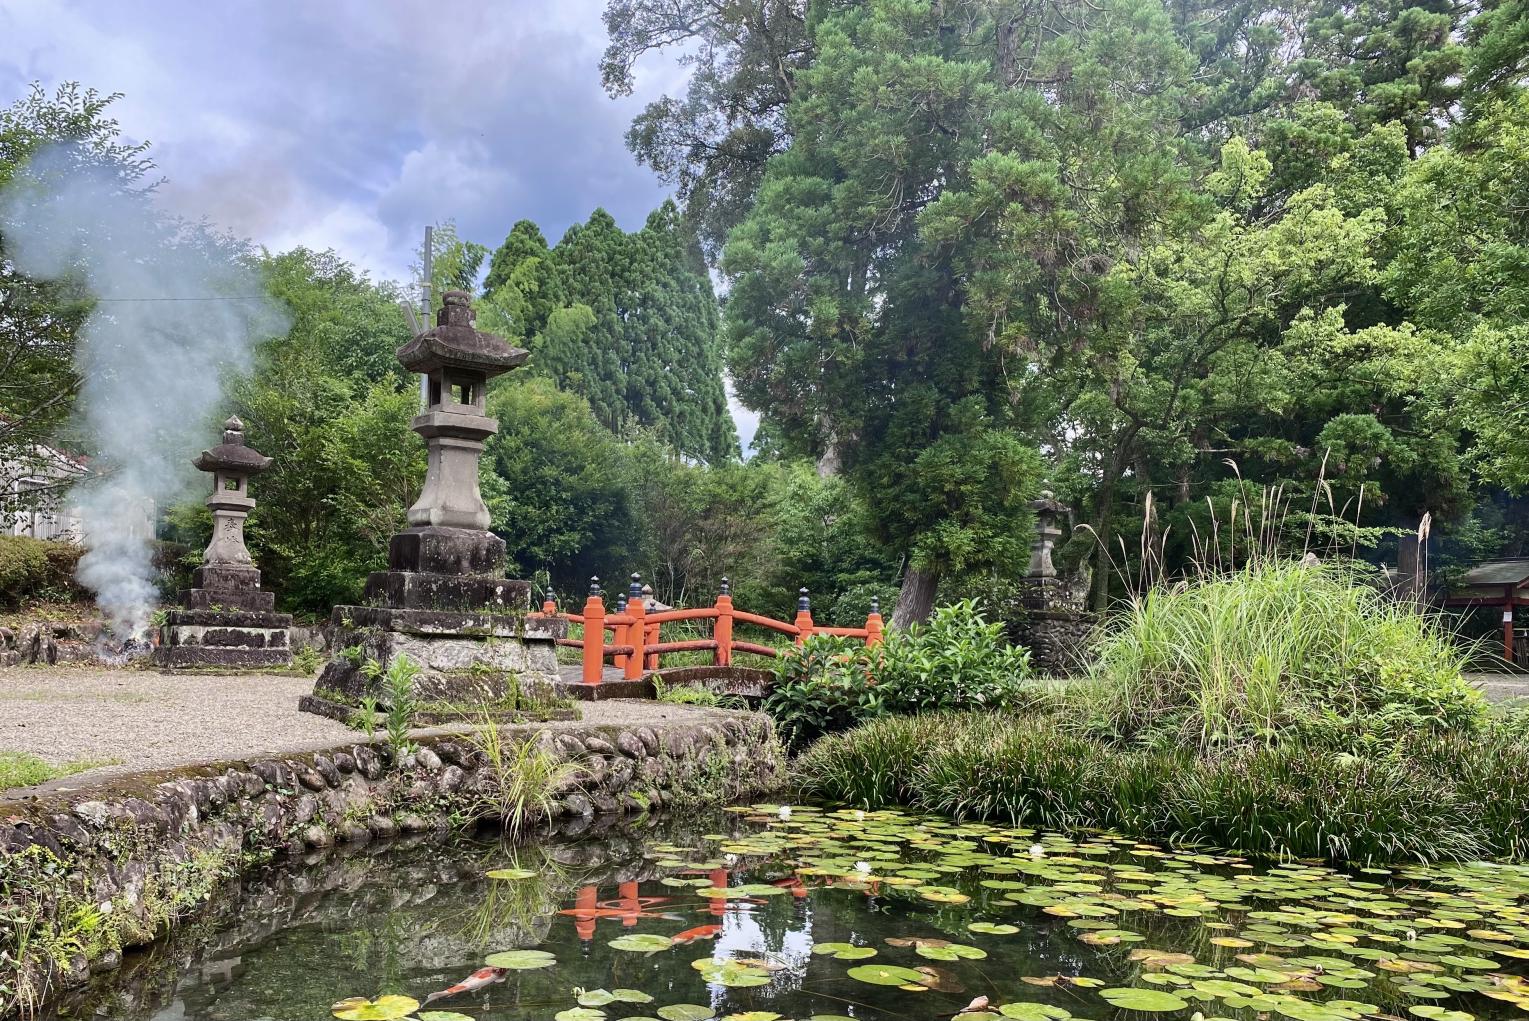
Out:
{"x": 432, "y": 567}
{"x": 228, "y": 588}
{"x": 224, "y": 638}
{"x": 466, "y": 657}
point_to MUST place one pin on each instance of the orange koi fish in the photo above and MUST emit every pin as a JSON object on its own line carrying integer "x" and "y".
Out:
{"x": 477, "y": 980}
{"x": 699, "y": 932}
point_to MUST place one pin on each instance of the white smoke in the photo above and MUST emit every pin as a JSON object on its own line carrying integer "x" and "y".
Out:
{"x": 178, "y": 310}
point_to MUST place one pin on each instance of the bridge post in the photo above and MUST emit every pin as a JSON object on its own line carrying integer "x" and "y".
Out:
{"x": 651, "y": 662}
{"x": 722, "y": 631}
{"x": 637, "y": 631}
{"x": 594, "y": 634}
{"x": 549, "y": 604}
{"x": 619, "y": 635}
{"x": 803, "y": 620}
{"x": 873, "y": 623}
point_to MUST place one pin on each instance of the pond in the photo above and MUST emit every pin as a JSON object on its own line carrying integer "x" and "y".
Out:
{"x": 771, "y": 912}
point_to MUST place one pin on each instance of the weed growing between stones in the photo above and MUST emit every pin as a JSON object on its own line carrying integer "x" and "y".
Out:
{"x": 399, "y": 684}
{"x": 50, "y": 927}
{"x": 522, "y": 780}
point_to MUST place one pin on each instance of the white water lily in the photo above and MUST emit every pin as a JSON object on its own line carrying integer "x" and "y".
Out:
{"x": 859, "y": 815}
{"x": 1037, "y": 851}
{"x": 863, "y": 867}
{"x": 785, "y": 811}
{"x": 729, "y": 859}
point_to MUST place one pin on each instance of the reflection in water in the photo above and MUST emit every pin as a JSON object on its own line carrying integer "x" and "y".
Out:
{"x": 923, "y": 918}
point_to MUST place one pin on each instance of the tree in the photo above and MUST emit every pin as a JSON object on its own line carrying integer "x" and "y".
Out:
{"x": 629, "y": 322}
{"x": 712, "y": 144}
{"x": 560, "y": 496}
{"x": 40, "y": 319}
{"x": 330, "y": 403}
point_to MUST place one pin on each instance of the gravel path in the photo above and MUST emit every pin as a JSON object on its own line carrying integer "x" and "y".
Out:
{"x": 138, "y": 719}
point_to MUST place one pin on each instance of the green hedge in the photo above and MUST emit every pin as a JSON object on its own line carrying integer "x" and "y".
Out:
{"x": 36, "y": 569}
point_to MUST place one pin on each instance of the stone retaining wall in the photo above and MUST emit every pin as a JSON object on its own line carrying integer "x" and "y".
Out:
{"x": 95, "y": 868}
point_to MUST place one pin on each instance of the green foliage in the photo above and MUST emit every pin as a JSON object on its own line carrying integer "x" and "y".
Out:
{"x": 955, "y": 661}
{"x": 628, "y": 321}
{"x": 1274, "y": 650}
{"x": 523, "y": 779}
{"x": 40, "y": 319}
{"x": 21, "y": 769}
{"x": 688, "y": 694}
{"x": 398, "y": 692}
{"x": 36, "y": 569}
{"x": 1427, "y": 799}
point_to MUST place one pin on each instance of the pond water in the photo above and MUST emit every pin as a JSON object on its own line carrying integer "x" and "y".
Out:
{"x": 799, "y": 913}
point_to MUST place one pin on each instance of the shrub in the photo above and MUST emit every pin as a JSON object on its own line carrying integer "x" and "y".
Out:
{"x": 956, "y": 661}
{"x": 36, "y": 569}
{"x": 1275, "y": 651}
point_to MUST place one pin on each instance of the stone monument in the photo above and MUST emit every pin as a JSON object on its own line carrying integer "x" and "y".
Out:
{"x": 1049, "y": 618}
{"x": 443, "y": 602}
{"x": 226, "y": 619}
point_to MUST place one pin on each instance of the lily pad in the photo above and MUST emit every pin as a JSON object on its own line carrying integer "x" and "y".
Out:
{"x": 1150, "y": 1000}
{"x": 521, "y": 960}
{"x": 885, "y": 975}
{"x": 843, "y": 951}
{"x": 383, "y": 1008}
{"x": 685, "y": 1012}
{"x": 641, "y": 943}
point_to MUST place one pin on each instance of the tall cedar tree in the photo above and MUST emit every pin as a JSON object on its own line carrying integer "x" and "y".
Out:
{"x": 628, "y": 321}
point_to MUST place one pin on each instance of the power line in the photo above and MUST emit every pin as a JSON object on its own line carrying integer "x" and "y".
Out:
{"x": 215, "y": 297}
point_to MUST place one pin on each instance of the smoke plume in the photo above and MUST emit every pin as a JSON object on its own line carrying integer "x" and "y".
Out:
{"x": 178, "y": 310}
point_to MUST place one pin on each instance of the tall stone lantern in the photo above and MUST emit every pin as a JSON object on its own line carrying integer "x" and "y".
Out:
{"x": 443, "y": 602}
{"x": 227, "y": 620}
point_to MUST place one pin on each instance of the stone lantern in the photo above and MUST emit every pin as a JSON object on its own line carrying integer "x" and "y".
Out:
{"x": 1047, "y": 510}
{"x": 443, "y": 602}
{"x": 227, "y": 620}
{"x": 1047, "y": 616}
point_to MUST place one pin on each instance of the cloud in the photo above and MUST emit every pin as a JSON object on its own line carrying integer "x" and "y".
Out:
{"x": 353, "y": 124}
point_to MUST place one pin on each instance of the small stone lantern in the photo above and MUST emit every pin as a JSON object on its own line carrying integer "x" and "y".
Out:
{"x": 1047, "y": 510}
{"x": 228, "y": 619}
{"x": 228, "y": 576}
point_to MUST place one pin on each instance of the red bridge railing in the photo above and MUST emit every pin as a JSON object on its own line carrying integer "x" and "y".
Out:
{"x": 637, "y": 644}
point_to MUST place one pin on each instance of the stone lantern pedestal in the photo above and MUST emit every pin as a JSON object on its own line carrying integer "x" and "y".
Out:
{"x": 226, "y": 618}
{"x": 443, "y": 601}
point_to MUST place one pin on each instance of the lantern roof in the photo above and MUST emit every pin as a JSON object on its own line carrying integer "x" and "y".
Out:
{"x": 232, "y": 455}
{"x": 455, "y": 343}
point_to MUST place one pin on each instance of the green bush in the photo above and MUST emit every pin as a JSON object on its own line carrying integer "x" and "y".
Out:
{"x": 1278, "y": 650}
{"x": 956, "y": 661}
{"x": 1429, "y": 798}
{"x": 36, "y": 569}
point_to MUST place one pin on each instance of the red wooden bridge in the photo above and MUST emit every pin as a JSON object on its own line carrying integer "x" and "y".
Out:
{"x": 636, "y": 647}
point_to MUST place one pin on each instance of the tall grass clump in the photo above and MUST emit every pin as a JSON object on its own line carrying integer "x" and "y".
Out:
{"x": 523, "y": 779}
{"x": 1272, "y": 651}
{"x": 1433, "y": 799}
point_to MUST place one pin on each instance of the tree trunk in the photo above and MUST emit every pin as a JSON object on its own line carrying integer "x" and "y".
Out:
{"x": 915, "y": 600}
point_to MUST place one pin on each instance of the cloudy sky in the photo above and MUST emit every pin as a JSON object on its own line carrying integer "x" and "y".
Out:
{"x": 350, "y": 124}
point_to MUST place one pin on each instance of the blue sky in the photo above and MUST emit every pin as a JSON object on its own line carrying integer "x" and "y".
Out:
{"x": 350, "y": 125}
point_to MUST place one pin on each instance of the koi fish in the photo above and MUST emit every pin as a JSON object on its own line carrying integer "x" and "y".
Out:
{"x": 699, "y": 932}
{"x": 477, "y": 980}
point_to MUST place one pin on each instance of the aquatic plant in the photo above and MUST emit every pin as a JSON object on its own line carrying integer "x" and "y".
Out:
{"x": 398, "y": 688}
